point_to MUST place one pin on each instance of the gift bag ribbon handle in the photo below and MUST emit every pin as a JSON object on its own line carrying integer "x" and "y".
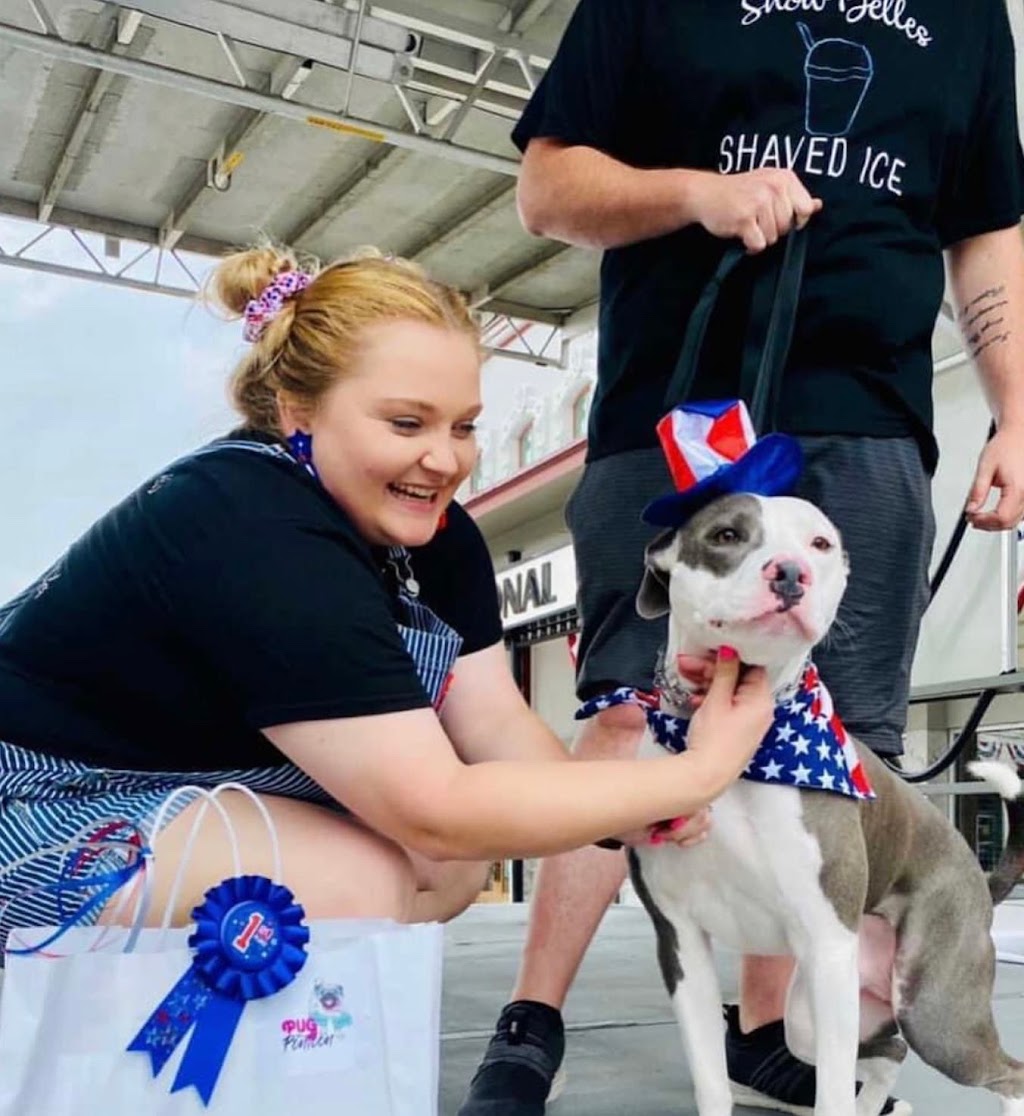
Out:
{"x": 774, "y": 303}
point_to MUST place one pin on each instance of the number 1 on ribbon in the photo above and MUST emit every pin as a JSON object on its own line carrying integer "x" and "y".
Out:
{"x": 241, "y": 943}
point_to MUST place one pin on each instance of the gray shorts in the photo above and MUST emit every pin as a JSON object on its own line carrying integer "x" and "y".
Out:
{"x": 877, "y": 493}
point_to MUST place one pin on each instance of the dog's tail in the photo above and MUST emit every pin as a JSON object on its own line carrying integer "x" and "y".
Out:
{"x": 1008, "y": 785}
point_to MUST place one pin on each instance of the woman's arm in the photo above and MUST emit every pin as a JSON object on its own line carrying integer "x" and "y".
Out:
{"x": 486, "y": 718}
{"x": 399, "y": 773}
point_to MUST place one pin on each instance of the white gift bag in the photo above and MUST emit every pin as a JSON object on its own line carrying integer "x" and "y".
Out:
{"x": 357, "y": 1030}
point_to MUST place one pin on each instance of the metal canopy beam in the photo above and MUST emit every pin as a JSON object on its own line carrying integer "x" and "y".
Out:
{"x": 103, "y": 278}
{"x": 246, "y": 98}
{"x": 310, "y": 29}
{"x": 524, "y": 313}
{"x": 532, "y": 11}
{"x": 487, "y": 70}
{"x": 375, "y": 169}
{"x": 81, "y": 262}
{"x": 108, "y": 226}
{"x": 228, "y": 154}
{"x": 461, "y": 62}
{"x": 492, "y": 202}
{"x": 543, "y": 259}
{"x": 94, "y": 270}
{"x": 456, "y": 59}
{"x": 122, "y": 230}
{"x": 456, "y": 89}
{"x": 457, "y": 29}
{"x": 105, "y": 36}
{"x": 324, "y": 33}
{"x": 106, "y": 278}
{"x": 524, "y": 358}
{"x": 87, "y": 222}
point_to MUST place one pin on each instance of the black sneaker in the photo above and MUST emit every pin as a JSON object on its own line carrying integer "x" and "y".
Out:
{"x": 764, "y": 1074}
{"x": 514, "y": 1078}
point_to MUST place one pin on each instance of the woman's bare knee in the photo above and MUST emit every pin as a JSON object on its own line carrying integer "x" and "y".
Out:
{"x": 446, "y": 888}
{"x": 336, "y": 867}
{"x": 459, "y": 889}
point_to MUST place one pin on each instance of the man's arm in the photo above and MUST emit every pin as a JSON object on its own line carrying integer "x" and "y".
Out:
{"x": 585, "y": 197}
{"x": 987, "y": 273}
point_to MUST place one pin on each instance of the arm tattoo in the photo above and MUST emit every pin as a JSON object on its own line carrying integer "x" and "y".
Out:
{"x": 983, "y": 323}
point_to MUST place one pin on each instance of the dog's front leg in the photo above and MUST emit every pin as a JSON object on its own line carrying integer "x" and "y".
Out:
{"x": 697, "y": 1003}
{"x": 829, "y": 965}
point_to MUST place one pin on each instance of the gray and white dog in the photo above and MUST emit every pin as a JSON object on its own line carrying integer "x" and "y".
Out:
{"x": 881, "y": 902}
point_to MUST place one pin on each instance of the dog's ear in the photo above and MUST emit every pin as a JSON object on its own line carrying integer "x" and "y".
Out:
{"x": 659, "y": 558}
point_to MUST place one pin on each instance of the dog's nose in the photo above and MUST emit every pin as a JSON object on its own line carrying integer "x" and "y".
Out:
{"x": 787, "y": 579}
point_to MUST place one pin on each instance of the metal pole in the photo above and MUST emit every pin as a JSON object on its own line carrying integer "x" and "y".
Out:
{"x": 248, "y": 98}
{"x": 524, "y": 358}
{"x": 95, "y": 276}
{"x": 352, "y": 56}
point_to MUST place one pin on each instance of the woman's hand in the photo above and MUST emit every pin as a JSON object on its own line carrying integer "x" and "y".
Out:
{"x": 734, "y": 711}
{"x": 683, "y": 832}
{"x": 733, "y": 717}
{"x": 696, "y": 671}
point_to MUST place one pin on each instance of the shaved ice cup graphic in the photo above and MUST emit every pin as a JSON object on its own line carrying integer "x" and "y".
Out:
{"x": 838, "y": 74}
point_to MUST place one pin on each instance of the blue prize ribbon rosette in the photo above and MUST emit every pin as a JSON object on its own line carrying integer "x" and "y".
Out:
{"x": 249, "y": 943}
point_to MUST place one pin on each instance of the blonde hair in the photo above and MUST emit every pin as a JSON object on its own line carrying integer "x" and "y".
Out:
{"x": 315, "y": 337}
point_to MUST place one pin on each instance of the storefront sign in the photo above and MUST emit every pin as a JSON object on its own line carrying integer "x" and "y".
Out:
{"x": 537, "y": 588}
{"x": 1001, "y": 742}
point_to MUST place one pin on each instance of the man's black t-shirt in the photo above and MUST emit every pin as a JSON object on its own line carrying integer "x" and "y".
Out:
{"x": 899, "y": 114}
{"x": 225, "y": 595}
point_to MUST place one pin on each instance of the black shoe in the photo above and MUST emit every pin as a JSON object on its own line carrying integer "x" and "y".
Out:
{"x": 764, "y": 1074}
{"x": 515, "y": 1076}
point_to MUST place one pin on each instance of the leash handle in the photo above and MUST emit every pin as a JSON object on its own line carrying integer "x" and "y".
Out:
{"x": 764, "y": 365}
{"x": 775, "y": 300}
{"x": 693, "y": 342}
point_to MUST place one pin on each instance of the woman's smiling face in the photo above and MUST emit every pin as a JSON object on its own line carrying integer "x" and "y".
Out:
{"x": 394, "y": 437}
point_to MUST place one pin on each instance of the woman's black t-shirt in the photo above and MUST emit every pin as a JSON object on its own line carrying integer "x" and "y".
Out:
{"x": 227, "y": 594}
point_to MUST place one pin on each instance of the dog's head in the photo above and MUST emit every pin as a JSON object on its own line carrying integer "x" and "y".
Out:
{"x": 764, "y": 575}
{"x": 329, "y": 999}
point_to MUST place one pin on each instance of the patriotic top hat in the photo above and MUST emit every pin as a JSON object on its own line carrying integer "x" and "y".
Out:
{"x": 712, "y": 451}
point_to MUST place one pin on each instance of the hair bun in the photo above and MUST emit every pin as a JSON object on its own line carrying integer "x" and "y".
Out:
{"x": 243, "y": 276}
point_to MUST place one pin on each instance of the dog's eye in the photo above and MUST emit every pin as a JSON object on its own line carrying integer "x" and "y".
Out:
{"x": 822, "y": 544}
{"x": 725, "y": 536}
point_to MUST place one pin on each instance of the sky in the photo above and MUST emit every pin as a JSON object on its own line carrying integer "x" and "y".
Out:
{"x": 102, "y": 386}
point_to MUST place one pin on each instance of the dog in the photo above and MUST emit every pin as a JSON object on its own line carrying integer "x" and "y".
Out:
{"x": 327, "y": 1008}
{"x": 879, "y": 900}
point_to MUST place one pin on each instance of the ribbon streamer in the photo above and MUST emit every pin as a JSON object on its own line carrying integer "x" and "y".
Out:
{"x": 249, "y": 943}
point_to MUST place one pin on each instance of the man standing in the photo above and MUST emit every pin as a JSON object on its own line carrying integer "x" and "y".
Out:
{"x": 662, "y": 129}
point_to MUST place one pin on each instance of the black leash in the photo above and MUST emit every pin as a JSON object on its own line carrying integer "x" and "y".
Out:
{"x": 776, "y": 296}
{"x": 985, "y": 698}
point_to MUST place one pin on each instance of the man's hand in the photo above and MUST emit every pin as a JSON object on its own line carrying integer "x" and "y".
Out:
{"x": 1001, "y": 466}
{"x": 757, "y": 207}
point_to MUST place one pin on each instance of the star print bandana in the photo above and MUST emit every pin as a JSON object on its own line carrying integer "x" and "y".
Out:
{"x": 259, "y": 312}
{"x": 807, "y": 745}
